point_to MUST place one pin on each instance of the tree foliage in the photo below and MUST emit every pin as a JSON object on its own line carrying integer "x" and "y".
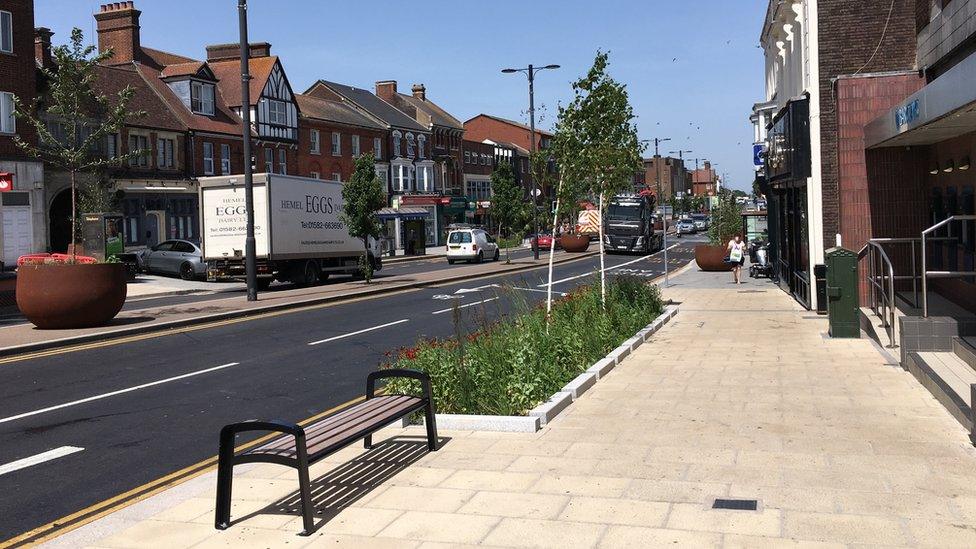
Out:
{"x": 726, "y": 219}
{"x": 363, "y": 196}
{"x": 84, "y": 118}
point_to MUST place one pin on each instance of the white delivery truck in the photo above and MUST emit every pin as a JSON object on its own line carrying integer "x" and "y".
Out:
{"x": 299, "y": 235}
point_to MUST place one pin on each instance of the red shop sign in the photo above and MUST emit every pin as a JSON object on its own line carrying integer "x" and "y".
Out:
{"x": 6, "y": 182}
{"x": 420, "y": 200}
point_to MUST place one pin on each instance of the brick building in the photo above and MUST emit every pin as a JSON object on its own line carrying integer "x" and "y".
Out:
{"x": 704, "y": 180}
{"x": 23, "y": 226}
{"x": 514, "y": 136}
{"x": 331, "y": 134}
{"x": 478, "y": 165}
{"x": 673, "y": 176}
{"x": 811, "y": 46}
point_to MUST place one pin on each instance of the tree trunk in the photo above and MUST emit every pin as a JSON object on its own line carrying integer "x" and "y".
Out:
{"x": 367, "y": 267}
{"x": 552, "y": 250}
{"x": 74, "y": 221}
{"x": 603, "y": 273}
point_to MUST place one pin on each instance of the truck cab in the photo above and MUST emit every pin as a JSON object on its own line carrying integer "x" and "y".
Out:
{"x": 628, "y": 225}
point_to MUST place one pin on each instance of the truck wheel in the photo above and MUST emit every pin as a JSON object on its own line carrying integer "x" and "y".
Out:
{"x": 323, "y": 276}
{"x": 186, "y": 272}
{"x": 305, "y": 275}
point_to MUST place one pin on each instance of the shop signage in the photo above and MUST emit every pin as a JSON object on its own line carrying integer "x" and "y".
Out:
{"x": 6, "y": 182}
{"x": 788, "y": 156}
{"x": 906, "y": 114}
{"x": 423, "y": 200}
{"x": 484, "y": 204}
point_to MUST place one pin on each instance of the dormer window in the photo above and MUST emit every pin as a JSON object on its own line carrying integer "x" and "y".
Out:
{"x": 202, "y": 98}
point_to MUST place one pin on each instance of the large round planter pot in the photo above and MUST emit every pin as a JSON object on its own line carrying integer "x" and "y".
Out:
{"x": 711, "y": 258}
{"x": 574, "y": 243}
{"x": 70, "y": 296}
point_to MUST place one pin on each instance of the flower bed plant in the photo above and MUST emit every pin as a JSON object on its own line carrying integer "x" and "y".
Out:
{"x": 509, "y": 367}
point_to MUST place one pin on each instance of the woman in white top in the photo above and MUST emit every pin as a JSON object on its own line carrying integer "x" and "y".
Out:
{"x": 737, "y": 257}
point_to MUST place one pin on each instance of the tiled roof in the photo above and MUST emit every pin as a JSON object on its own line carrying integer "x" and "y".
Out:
{"x": 224, "y": 120}
{"x": 111, "y": 80}
{"x": 511, "y": 122}
{"x": 229, "y": 74}
{"x": 438, "y": 116}
{"x": 160, "y": 59}
{"x": 182, "y": 69}
{"x": 333, "y": 111}
{"x": 369, "y": 102}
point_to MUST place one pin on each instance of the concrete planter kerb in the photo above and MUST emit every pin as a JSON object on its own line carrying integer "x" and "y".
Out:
{"x": 548, "y": 410}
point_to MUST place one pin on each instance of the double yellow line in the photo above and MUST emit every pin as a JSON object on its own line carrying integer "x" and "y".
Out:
{"x": 94, "y": 512}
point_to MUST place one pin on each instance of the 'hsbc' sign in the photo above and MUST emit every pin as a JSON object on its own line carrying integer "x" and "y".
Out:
{"x": 6, "y": 182}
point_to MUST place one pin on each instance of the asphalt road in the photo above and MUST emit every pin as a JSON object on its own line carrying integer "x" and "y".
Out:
{"x": 154, "y": 406}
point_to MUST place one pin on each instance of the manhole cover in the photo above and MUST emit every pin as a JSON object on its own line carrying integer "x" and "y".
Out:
{"x": 736, "y": 504}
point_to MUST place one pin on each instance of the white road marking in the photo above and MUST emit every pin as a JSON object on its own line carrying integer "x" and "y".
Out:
{"x": 363, "y": 331}
{"x": 537, "y": 290}
{"x": 115, "y": 393}
{"x": 37, "y": 459}
{"x": 608, "y": 269}
{"x": 442, "y": 311}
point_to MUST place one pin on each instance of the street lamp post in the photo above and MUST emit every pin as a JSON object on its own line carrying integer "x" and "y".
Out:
{"x": 530, "y": 72}
{"x": 250, "y": 249}
{"x": 681, "y": 157}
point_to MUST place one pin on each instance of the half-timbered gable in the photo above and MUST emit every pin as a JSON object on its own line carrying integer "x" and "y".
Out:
{"x": 276, "y": 115}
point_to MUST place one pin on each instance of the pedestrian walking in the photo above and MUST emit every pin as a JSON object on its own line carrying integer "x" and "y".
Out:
{"x": 737, "y": 257}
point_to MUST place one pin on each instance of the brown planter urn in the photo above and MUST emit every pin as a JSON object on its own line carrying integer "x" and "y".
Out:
{"x": 712, "y": 258}
{"x": 63, "y": 296}
{"x": 574, "y": 243}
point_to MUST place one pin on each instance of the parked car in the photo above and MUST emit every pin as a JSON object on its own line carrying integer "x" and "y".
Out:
{"x": 175, "y": 257}
{"x": 686, "y": 226}
{"x": 542, "y": 240}
{"x": 471, "y": 245}
{"x": 701, "y": 221}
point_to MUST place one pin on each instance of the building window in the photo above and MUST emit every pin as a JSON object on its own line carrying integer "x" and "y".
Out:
{"x": 336, "y": 176}
{"x": 225, "y": 159}
{"x": 6, "y": 32}
{"x": 377, "y": 148}
{"x": 277, "y": 112}
{"x": 282, "y": 161}
{"x": 132, "y": 230}
{"x": 139, "y": 144}
{"x": 111, "y": 146}
{"x": 410, "y": 146}
{"x": 313, "y": 140}
{"x": 336, "y": 144}
{"x": 396, "y": 143}
{"x": 467, "y": 157}
{"x": 8, "y": 122}
{"x": 425, "y": 183}
{"x": 208, "y": 158}
{"x": 202, "y": 98}
{"x": 314, "y": 175}
{"x": 164, "y": 153}
{"x": 421, "y": 143}
{"x": 268, "y": 160}
{"x": 355, "y": 146}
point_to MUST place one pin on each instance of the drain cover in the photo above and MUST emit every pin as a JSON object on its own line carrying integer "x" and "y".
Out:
{"x": 736, "y": 504}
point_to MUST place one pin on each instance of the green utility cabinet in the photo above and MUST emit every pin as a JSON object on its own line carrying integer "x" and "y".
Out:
{"x": 103, "y": 235}
{"x": 842, "y": 298}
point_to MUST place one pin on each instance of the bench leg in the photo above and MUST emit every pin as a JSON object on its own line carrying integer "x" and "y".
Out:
{"x": 305, "y": 489}
{"x": 368, "y": 442}
{"x": 431, "y": 424}
{"x": 225, "y": 480}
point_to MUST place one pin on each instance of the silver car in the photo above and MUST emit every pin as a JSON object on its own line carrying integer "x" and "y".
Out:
{"x": 175, "y": 257}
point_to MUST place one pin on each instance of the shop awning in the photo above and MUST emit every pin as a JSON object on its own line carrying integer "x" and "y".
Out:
{"x": 944, "y": 109}
{"x": 405, "y": 213}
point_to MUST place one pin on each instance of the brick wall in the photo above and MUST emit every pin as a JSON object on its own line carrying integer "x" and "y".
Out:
{"x": 483, "y": 127}
{"x": 323, "y": 162}
{"x": 850, "y": 33}
{"x": 17, "y": 70}
{"x": 469, "y": 166}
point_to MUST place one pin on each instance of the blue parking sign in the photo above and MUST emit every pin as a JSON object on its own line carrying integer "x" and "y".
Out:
{"x": 757, "y": 154}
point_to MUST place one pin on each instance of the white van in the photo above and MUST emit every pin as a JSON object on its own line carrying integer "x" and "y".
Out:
{"x": 471, "y": 245}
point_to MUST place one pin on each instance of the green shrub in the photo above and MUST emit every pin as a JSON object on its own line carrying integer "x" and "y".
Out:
{"x": 509, "y": 367}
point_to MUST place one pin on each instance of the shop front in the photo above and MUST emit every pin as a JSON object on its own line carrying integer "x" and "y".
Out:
{"x": 433, "y": 205}
{"x": 787, "y": 175}
{"x": 155, "y": 211}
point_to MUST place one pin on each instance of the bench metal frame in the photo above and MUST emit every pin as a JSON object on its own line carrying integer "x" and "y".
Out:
{"x": 227, "y": 459}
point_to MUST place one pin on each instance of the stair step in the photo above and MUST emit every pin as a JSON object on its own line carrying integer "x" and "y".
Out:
{"x": 948, "y": 378}
{"x": 964, "y": 349}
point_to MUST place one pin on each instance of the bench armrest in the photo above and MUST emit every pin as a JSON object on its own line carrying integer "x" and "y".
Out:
{"x": 398, "y": 372}
{"x": 255, "y": 425}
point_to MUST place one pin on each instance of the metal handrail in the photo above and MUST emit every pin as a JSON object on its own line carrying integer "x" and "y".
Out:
{"x": 885, "y": 306}
{"x": 925, "y": 259}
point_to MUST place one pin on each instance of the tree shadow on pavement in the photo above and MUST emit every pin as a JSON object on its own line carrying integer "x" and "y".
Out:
{"x": 351, "y": 481}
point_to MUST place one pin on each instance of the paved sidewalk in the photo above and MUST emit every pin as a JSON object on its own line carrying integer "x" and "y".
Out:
{"x": 740, "y": 396}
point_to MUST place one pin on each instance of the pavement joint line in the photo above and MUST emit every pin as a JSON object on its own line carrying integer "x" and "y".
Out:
{"x": 115, "y": 393}
{"x": 116, "y": 503}
{"x": 363, "y": 331}
{"x": 125, "y": 335}
{"x": 37, "y": 459}
{"x": 442, "y": 311}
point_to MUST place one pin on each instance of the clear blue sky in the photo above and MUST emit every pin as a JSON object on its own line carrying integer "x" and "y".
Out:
{"x": 692, "y": 69}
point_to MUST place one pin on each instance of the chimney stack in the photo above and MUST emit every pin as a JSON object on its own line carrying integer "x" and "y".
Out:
{"x": 386, "y": 90}
{"x": 118, "y": 30}
{"x": 419, "y": 91}
{"x": 42, "y": 46}
{"x": 227, "y": 52}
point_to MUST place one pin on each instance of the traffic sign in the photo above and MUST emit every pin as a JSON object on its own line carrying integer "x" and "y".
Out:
{"x": 757, "y": 154}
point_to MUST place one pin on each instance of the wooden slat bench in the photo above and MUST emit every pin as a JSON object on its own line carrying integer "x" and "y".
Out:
{"x": 299, "y": 447}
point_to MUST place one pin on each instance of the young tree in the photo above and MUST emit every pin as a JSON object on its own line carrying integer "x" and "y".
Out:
{"x": 85, "y": 116}
{"x": 362, "y": 197}
{"x": 726, "y": 219}
{"x": 605, "y": 138}
{"x": 507, "y": 200}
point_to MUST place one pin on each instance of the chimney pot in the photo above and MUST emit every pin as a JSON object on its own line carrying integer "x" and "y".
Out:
{"x": 419, "y": 91}
{"x": 118, "y": 30}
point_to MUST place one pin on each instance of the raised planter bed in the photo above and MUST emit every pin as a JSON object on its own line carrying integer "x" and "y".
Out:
{"x": 562, "y": 399}
{"x": 712, "y": 258}
{"x": 574, "y": 243}
{"x": 63, "y": 296}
